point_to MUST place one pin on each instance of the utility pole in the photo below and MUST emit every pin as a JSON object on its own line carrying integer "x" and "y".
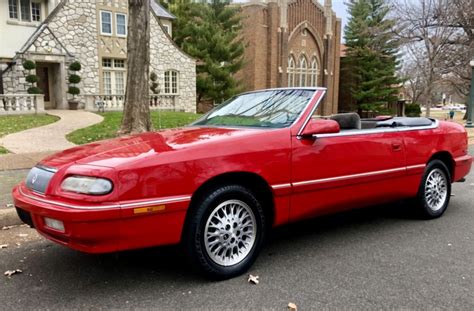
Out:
{"x": 470, "y": 108}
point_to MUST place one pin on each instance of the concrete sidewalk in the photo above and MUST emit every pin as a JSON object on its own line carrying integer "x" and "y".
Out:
{"x": 29, "y": 147}
{"x": 50, "y": 137}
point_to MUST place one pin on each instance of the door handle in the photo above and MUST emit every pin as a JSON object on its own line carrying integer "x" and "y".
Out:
{"x": 396, "y": 146}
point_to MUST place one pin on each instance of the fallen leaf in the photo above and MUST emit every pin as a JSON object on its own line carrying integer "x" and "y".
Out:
{"x": 253, "y": 279}
{"x": 7, "y": 227}
{"x": 9, "y": 273}
{"x": 3, "y": 246}
{"x": 8, "y": 205}
{"x": 292, "y": 307}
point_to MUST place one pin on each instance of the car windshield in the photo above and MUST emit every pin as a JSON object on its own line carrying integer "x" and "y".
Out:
{"x": 269, "y": 109}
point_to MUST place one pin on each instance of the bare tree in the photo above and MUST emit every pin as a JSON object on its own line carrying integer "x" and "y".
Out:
{"x": 459, "y": 17}
{"x": 412, "y": 78}
{"x": 425, "y": 42}
{"x": 136, "y": 113}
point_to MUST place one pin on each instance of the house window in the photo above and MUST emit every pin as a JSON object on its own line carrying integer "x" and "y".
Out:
{"x": 113, "y": 76}
{"x": 313, "y": 72}
{"x": 36, "y": 11}
{"x": 167, "y": 29}
{"x": 25, "y": 10}
{"x": 105, "y": 23}
{"x": 119, "y": 82}
{"x": 107, "y": 82}
{"x": 119, "y": 63}
{"x": 291, "y": 71}
{"x": 121, "y": 24}
{"x": 107, "y": 62}
{"x": 302, "y": 71}
{"x": 13, "y": 8}
{"x": 171, "y": 82}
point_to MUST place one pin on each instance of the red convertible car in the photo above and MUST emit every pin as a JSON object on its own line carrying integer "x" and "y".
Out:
{"x": 259, "y": 160}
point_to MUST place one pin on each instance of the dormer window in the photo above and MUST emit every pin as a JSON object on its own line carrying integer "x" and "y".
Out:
{"x": 24, "y": 10}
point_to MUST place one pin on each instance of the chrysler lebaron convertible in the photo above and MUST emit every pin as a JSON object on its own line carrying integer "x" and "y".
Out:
{"x": 259, "y": 160}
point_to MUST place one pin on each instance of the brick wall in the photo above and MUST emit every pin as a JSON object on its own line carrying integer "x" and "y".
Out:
{"x": 269, "y": 43}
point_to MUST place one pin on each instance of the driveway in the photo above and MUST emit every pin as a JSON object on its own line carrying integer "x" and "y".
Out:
{"x": 50, "y": 137}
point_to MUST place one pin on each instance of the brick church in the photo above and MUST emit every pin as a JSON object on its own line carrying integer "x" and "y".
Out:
{"x": 292, "y": 43}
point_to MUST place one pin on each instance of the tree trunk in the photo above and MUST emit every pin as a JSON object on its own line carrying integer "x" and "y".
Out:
{"x": 136, "y": 112}
{"x": 428, "y": 101}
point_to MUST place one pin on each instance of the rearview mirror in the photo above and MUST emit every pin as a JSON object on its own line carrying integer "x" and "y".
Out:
{"x": 320, "y": 127}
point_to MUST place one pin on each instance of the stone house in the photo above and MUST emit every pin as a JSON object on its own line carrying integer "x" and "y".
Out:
{"x": 292, "y": 43}
{"x": 56, "y": 33}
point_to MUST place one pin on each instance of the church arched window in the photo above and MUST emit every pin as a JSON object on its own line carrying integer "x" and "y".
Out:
{"x": 291, "y": 71}
{"x": 302, "y": 71}
{"x": 313, "y": 72}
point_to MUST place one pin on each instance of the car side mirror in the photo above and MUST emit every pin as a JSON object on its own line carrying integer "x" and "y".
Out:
{"x": 320, "y": 126}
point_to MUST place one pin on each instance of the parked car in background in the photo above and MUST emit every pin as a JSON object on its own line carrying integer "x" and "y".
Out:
{"x": 257, "y": 161}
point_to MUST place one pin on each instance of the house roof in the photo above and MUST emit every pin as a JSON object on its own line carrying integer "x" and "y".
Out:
{"x": 160, "y": 11}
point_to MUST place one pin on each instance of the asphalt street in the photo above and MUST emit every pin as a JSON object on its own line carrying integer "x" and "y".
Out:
{"x": 382, "y": 257}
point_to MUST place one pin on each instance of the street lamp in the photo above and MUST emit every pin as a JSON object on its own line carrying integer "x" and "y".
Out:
{"x": 471, "y": 98}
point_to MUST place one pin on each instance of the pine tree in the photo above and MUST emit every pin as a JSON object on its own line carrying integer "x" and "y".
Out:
{"x": 209, "y": 31}
{"x": 371, "y": 59}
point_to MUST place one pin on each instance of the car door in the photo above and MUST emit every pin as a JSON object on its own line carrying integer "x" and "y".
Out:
{"x": 333, "y": 172}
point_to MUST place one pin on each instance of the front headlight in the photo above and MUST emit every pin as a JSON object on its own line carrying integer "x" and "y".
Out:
{"x": 87, "y": 185}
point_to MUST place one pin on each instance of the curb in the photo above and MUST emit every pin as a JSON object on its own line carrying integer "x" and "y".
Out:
{"x": 8, "y": 217}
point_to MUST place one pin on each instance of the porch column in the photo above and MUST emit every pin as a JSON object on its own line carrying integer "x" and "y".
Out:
{"x": 39, "y": 103}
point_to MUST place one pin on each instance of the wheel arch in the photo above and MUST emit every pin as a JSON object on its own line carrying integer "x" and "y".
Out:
{"x": 447, "y": 159}
{"x": 254, "y": 182}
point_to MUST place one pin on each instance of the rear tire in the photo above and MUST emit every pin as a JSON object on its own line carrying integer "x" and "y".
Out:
{"x": 225, "y": 232}
{"x": 435, "y": 190}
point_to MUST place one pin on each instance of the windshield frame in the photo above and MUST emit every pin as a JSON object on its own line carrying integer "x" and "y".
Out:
{"x": 297, "y": 119}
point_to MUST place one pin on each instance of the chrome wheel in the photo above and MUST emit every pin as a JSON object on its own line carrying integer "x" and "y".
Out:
{"x": 230, "y": 232}
{"x": 436, "y": 189}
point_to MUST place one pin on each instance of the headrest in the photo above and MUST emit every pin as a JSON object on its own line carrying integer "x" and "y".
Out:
{"x": 347, "y": 121}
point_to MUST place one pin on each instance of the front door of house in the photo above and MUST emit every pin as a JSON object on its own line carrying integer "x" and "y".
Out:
{"x": 43, "y": 74}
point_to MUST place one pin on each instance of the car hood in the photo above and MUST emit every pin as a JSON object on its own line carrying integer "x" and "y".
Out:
{"x": 114, "y": 152}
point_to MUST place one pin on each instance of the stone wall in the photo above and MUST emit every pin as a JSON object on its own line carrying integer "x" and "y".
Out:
{"x": 75, "y": 27}
{"x": 165, "y": 55}
{"x": 14, "y": 80}
{"x": 70, "y": 34}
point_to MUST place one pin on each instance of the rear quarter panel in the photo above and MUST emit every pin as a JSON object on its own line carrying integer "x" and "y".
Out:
{"x": 422, "y": 145}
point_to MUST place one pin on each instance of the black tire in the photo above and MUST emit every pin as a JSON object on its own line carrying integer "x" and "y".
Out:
{"x": 194, "y": 234}
{"x": 427, "y": 208}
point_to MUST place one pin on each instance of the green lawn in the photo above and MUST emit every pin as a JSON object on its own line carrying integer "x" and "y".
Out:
{"x": 17, "y": 123}
{"x": 109, "y": 127}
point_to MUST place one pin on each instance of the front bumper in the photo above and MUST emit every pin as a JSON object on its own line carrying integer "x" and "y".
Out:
{"x": 102, "y": 229}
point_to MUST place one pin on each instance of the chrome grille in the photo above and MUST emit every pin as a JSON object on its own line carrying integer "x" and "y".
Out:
{"x": 38, "y": 178}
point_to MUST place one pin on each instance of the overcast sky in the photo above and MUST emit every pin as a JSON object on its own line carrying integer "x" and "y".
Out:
{"x": 340, "y": 8}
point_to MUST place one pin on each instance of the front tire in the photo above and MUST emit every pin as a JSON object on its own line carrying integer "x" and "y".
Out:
{"x": 435, "y": 190}
{"x": 225, "y": 232}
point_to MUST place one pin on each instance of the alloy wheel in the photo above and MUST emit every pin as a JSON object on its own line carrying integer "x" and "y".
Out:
{"x": 230, "y": 232}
